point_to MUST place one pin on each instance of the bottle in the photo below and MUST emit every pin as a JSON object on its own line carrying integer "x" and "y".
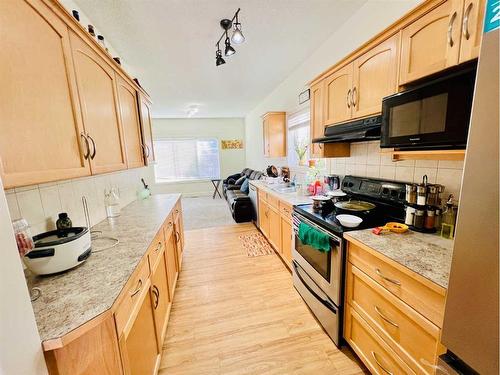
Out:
{"x": 64, "y": 222}
{"x": 430, "y": 219}
{"x": 410, "y": 215}
{"x": 112, "y": 202}
{"x": 448, "y": 219}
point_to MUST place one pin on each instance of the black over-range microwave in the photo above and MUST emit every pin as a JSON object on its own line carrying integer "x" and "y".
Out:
{"x": 432, "y": 115}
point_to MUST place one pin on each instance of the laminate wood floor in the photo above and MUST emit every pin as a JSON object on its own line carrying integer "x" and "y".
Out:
{"x": 234, "y": 314}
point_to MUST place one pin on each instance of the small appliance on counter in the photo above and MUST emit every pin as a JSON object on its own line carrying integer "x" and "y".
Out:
{"x": 285, "y": 173}
{"x": 333, "y": 182}
{"x": 59, "y": 250}
{"x": 272, "y": 171}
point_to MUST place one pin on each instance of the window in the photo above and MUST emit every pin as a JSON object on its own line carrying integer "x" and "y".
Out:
{"x": 186, "y": 159}
{"x": 298, "y": 137}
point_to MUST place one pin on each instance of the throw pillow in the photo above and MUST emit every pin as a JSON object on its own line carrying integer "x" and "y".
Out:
{"x": 240, "y": 180}
{"x": 244, "y": 186}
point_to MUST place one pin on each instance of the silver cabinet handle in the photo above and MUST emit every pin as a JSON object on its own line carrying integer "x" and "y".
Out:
{"x": 348, "y": 98}
{"x": 94, "y": 150}
{"x": 374, "y": 355}
{"x": 87, "y": 146}
{"x": 377, "y": 309}
{"x": 465, "y": 22}
{"x": 393, "y": 281}
{"x": 137, "y": 289}
{"x": 354, "y": 95}
{"x": 450, "y": 29}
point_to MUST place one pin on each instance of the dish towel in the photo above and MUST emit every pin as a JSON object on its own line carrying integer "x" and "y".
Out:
{"x": 313, "y": 237}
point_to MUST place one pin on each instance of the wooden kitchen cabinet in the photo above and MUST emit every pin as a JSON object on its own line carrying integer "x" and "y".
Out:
{"x": 96, "y": 82}
{"x": 138, "y": 343}
{"x": 374, "y": 77}
{"x": 129, "y": 115}
{"x": 171, "y": 263}
{"x": 472, "y": 29}
{"x": 338, "y": 96}
{"x": 264, "y": 217}
{"x": 274, "y": 228}
{"x": 146, "y": 128}
{"x": 274, "y": 134}
{"x": 286, "y": 240}
{"x": 179, "y": 233}
{"x": 160, "y": 297}
{"x": 40, "y": 122}
{"x": 317, "y": 126}
{"x": 431, "y": 43}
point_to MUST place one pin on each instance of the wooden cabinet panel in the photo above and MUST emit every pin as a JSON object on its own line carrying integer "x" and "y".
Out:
{"x": 374, "y": 77}
{"x": 160, "y": 298}
{"x": 286, "y": 240}
{"x": 99, "y": 103}
{"x": 264, "y": 217}
{"x": 472, "y": 29}
{"x": 179, "y": 236}
{"x": 432, "y": 42}
{"x": 146, "y": 128}
{"x": 410, "y": 335}
{"x": 139, "y": 349}
{"x": 95, "y": 352}
{"x": 172, "y": 268}
{"x": 156, "y": 249}
{"x": 274, "y": 133}
{"x": 371, "y": 349}
{"x": 274, "y": 228}
{"x": 317, "y": 126}
{"x": 338, "y": 96}
{"x": 40, "y": 122}
{"x": 129, "y": 115}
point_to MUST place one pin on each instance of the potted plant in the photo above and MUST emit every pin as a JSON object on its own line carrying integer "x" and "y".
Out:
{"x": 300, "y": 146}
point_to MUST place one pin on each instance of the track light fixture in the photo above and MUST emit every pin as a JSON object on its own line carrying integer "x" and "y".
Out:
{"x": 237, "y": 38}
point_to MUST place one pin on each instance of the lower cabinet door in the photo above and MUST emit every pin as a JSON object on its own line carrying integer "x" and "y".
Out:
{"x": 286, "y": 241}
{"x": 179, "y": 239}
{"x": 139, "y": 348}
{"x": 172, "y": 268}
{"x": 274, "y": 229}
{"x": 264, "y": 218}
{"x": 161, "y": 298}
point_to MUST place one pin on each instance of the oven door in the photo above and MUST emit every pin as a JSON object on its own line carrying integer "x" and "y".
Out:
{"x": 324, "y": 268}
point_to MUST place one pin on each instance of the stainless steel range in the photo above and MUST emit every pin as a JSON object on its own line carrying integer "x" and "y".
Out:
{"x": 318, "y": 275}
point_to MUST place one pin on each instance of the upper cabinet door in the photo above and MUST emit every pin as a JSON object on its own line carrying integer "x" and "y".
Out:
{"x": 265, "y": 137}
{"x": 129, "y": 115}
{"x": 432, "y": 42}
{"x": 338, "y": 96}
{"x": 146, "y": 127}
{"x": 39, "y": 116}
{"x": 99, "y": 102}
{"x": 472, "y": 29}
{"x": 375, "y": 76}
{"x": 317, "y": 127}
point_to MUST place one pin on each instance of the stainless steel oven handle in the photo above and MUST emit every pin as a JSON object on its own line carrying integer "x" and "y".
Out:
{"x": 336, "y": 239}
{"x": 326, "y": 303}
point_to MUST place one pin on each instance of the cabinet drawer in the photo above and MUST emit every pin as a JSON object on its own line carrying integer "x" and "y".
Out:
{"x": 273, "y": 201}
{"x": 286, "y": 210}
{"x": 130, "y": 295}
{"x": 371, "y": 349}
{"x": 262, "y": 195}
{"x": 412, "y": 336}
{"x": 421, "y": 294}
{"x": 156, "y": 249}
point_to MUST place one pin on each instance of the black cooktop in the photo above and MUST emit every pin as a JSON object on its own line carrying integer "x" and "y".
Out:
{"x": 388, "y": 197}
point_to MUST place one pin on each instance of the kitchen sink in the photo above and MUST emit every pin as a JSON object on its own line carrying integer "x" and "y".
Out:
{"x": 284, "y": 189}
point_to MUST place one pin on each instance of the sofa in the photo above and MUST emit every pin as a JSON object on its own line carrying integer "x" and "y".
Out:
{"x": 238, "y": 201}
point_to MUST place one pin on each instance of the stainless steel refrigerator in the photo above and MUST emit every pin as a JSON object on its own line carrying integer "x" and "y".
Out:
{"x": 470, "y": 329}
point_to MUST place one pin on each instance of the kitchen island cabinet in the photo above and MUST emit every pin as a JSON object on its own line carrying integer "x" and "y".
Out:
{"x": 110, "y": 314}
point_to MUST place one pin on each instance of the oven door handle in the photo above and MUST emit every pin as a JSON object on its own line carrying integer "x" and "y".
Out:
{"x": 301, "y": 218}
{"x": 326, "y": 303}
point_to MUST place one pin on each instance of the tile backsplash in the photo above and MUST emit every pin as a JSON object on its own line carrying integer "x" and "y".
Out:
{"x": 41, "y": 204}
{"x": 366, "y": 160}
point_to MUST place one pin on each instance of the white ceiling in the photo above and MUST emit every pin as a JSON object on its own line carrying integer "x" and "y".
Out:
{"x": 170, "y": 46}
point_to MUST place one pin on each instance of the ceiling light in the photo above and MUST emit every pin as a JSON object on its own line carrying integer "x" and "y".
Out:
{"x": 237, "y": 38}
{"x": 229, "y": 50}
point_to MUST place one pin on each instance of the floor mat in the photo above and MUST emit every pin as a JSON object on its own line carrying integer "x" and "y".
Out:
{"x": 256, "y": 245}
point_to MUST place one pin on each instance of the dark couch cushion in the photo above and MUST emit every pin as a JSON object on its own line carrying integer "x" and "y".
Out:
{"x": 240, "y": 180}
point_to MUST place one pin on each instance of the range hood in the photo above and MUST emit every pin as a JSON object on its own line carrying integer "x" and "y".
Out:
{"x": 367, "y": 129}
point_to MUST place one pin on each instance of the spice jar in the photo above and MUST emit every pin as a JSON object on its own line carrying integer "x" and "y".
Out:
{"x": 432, "y": 195}
{"x": 23, "y": 236}
{"x": 421, "y": 194}
{"x": 419, "y": 219}
{"x": 410, "y": 214}
{"x": 411, "y": 193}
{"x": 430, "y": 219}
{"x": 437, "y": 219}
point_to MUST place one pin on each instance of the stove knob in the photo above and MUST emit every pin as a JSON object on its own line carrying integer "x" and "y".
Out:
{"x": 394, "y": 193}
{"x": 385, "y": 191}
{"x": 351, "y": 184}
{"x": 402, "y": 195}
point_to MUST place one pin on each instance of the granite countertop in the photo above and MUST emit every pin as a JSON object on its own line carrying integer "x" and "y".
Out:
{"x": 291, "y": 198}
{"x": 429, "y": 255}
{"x": 73, "y": 298}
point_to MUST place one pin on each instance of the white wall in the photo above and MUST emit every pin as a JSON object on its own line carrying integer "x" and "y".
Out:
{"x": 231, "y": 161}
{"x": 371, "y": 18}
{"x": 20, "y": 347}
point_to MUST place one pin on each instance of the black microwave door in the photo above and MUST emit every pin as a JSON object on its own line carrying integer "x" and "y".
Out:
{"x": 434, "y": 115}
